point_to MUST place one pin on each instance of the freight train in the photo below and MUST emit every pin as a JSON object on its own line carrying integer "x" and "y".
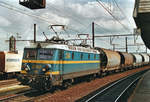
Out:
{"x": 46, "y": 65}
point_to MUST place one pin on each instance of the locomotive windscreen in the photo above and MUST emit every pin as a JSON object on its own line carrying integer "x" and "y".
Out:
{"x": 46, "y": 54}
{"x": 30, "y": 54}
{"x": 38, "y": 54}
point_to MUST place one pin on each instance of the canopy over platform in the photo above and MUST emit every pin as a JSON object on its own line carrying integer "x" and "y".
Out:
{"x": 141, "y": 16}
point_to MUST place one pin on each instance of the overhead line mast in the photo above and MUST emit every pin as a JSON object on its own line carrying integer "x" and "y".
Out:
{"x": 93, "y": 37}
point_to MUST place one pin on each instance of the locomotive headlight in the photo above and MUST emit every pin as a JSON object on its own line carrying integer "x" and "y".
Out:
{"x": 46, "y": 68}
{"x": 43, "y": 69}
{"x": 26, "y": 69}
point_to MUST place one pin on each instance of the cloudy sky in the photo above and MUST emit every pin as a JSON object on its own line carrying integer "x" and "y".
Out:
{"x": 77, "y": 15}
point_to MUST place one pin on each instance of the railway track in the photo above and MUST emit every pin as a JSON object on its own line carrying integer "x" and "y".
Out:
{"x": 23, "y": 96}
{"x": 8, "y": 82}
{"x": 29, "y": 96}
{"x": 117, "y": 91}
{"x": 19, "y": 97}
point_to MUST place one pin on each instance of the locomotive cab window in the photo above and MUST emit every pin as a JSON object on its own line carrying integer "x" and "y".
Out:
{"x": 30, "y": 54}
{"x": 45, "y": 54}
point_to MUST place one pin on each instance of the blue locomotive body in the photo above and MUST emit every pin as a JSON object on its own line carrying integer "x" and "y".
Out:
{"x": 75, "y": 61}
{"x": 52, "y": 65}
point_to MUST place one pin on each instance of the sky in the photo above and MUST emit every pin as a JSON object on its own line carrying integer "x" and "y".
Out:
{"x": 76, "y": 15}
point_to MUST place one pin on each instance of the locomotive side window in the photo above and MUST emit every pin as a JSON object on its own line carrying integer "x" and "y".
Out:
{"x": 97, "y": 57}
{"x": 72, "y": 55}
{"x": 89, "y": 56}
{"x": 81, "y": 56}
{"x": 45, "y": 54}
{"x": 94, "y": 56}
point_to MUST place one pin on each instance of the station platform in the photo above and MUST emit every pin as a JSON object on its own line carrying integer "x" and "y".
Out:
{"x": 142, "y": 90}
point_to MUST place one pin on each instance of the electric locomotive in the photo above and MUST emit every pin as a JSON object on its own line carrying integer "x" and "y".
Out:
{"x": 47, "y": 64}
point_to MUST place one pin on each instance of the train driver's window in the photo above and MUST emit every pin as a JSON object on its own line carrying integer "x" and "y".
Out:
{"x": 45, "y": 54}
{"x": 30, "y": 54}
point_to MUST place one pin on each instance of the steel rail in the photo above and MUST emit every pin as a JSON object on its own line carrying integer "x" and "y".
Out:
{"x": 117, "y": 99}
{"x": 107, "y": 88}
{"x": 17, "y": 95}
{"x": 110, "y": 86}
